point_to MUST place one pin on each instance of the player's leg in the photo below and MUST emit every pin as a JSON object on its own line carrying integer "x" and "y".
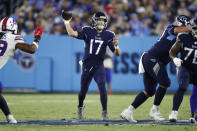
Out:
{"x": 108, "y": 80}
{"x": 193, "y": 104}
{"x": 183, "y": 80}
{"x": 162, "y": 78}
{"x": 4, "y": 107}
{"x": 86, "y": 78}
{"x": 99, "y": 77}
{"x": 150, "y": 85}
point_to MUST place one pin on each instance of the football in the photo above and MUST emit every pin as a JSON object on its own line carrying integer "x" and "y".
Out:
{"x": 66, "y": 15}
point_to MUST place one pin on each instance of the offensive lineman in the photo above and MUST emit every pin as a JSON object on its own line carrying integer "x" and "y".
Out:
{"x": 153, "y": 66}
{"x": 186, "y": 44}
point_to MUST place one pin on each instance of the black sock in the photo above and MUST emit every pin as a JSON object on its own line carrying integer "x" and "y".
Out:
{"x": 4, "y": 106}
{"x": 103, "y": 96}
{"x": 177, "y": 99}
{"x": 160, "y": 93}
{"x": 139, "y": 99}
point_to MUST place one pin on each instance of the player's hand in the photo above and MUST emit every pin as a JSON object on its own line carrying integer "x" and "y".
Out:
{"x": 66, "y": 15}
{"x": 177, "y": 61}
{"x": 38, "y": 34}
{"x": 115, "y": 41}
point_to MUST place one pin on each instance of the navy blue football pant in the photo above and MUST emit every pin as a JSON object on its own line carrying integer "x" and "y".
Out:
{"x": 98, "y": 73}
{"x": 193, "y": 99}
{"x": 155, "y": 73}
{"x": 185, "y": 77}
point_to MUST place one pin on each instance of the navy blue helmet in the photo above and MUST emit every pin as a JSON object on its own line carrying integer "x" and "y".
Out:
{"x": 193, "y": 24}
{"x": 99, "y": 15}
{"x": 182, "y": 20}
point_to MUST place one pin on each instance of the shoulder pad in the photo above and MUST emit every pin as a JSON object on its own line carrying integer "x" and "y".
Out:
{"x": 111, "y": 32}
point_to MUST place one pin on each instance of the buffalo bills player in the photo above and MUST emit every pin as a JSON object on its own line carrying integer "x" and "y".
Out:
{"x": 153, "y": 66}
{"x": 9, "y": 42}
{"x": 96, "y": 38}
{"x": 186, "y": 44}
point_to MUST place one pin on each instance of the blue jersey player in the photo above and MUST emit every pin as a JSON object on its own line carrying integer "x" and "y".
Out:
{"x": 96, "y": 39}
{"x": 186, "y": 44}
{"x": 153, "y": 66}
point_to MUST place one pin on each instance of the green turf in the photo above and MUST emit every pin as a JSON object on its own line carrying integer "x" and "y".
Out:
{"x": 57, "y": 106}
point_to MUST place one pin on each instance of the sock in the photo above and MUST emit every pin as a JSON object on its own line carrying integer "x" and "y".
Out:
{"x": 139, "y": 99}
{"x": 4, "y": 106}
{"x": 193, "y": 99}
{"x": 103, "y": 96}
{"x": 177, "y": 99}
{"x": 160, "y": 93}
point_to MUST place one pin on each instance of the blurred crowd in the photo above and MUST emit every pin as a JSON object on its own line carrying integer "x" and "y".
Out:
{"x": 126, "y": 17}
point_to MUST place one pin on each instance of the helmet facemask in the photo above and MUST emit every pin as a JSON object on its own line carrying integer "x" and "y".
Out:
{"x": 99, "y": 16}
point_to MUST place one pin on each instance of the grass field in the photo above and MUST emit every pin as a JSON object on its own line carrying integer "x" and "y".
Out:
{"x": 57, "y": 106}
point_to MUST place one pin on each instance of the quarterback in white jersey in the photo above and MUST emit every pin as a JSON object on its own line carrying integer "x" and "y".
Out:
{"x": 9, "y": 42}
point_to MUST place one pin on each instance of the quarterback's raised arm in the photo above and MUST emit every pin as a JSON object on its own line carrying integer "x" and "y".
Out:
{"x": 175, "y": 49}
{"x": 34, "y": 46}
{"x": 117, "y": 49}
{"x": 67, "y": 16}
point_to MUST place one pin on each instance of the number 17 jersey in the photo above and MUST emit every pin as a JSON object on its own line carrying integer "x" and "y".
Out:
{"x": 96, "y": 44}
{"x": 7, "y": 47}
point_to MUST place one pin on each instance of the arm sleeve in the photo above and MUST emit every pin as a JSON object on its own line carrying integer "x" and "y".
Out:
{"x": 111, "y": 43}
{"x": 82, "y": 34}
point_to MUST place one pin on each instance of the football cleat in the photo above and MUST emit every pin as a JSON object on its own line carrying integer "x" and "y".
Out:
{"x": 127, "y": 115}
{"x": 11, "y": 119}
{"x": 155, "y": 114}
{"x": 173, "y": 116}
{"x": 105, "y": 116}
{"x": 192, "y": 117}
{"x": 80, "y": 112}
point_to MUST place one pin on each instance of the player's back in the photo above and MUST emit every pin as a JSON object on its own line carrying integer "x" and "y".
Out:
{"x": 188, "y": 51}
{"x": 7, "y": 46}
{"x": 161, "y": 48}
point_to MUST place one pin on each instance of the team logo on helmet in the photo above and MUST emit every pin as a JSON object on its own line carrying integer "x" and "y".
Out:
{"x": 181, "y": 20}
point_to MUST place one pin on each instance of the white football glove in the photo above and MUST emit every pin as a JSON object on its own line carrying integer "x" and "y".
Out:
{"x": 177, "y": 61}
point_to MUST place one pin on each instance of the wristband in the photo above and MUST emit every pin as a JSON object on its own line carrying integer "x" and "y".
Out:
{"x": 117, "y": 47}
{"x": 36, "y": 44}
{"x": 66, "y": 22}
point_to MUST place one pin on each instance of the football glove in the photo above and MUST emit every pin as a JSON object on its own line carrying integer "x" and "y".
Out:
{"x": 177, "y": 61}
{"x": 66, "y": 15}
{"x": 38, "y": 34}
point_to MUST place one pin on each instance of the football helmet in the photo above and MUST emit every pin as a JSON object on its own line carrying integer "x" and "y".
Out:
{"x": 8, "y": 24}
{"x": 193, "y": 24}
{"x": 182, "y": 20}
{"x": 99, "y": 15}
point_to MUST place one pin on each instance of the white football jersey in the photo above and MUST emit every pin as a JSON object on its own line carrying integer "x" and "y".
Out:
{"x": 7, "y": 47}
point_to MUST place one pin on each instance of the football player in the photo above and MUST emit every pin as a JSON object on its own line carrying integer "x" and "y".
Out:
{"x": 153, "y": 66}
{"x": 96, "y": 38}
{"x": 186, "y": 44}
{"x": 9, "y": 42}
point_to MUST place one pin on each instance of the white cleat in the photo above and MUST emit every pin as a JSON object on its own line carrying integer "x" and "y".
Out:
{"x": 127, "y": 115}
{"x": 11, "y": 119}
{"x": 173, "y": 116}
{"x": 155, "y": 114}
